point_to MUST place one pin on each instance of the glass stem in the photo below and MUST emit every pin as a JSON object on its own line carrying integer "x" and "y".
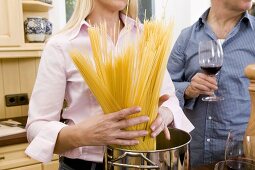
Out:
{"x": 213, "y": 95}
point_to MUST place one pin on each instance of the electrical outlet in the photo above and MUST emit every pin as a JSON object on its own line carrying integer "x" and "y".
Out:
{"x": 10, "y": 100}
{"x": 16, "y": 99}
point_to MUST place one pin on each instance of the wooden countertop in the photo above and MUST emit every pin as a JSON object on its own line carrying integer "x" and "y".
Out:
{"x": 17, "y": 138}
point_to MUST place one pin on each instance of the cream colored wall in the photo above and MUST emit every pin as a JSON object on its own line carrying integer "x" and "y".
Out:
{"x": 57, "y": 15}
{"x": 184, "y": 12}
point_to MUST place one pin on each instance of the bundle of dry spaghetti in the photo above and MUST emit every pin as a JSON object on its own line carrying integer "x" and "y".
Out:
{"x": 133, "y": 77}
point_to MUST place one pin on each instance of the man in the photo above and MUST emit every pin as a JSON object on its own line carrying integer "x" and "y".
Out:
{"x": 229, "y": 22}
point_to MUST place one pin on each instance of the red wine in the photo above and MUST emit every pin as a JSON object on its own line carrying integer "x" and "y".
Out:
{"x": 230, "y": 168}
{"x": 239, "y": 165}
{"x": 211, "y": 70}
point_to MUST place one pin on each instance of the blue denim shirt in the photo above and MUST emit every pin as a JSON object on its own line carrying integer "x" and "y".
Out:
{"x": 213, "y": 120}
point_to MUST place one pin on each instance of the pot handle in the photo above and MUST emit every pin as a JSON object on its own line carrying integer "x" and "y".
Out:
{"x": 131, "y": 154}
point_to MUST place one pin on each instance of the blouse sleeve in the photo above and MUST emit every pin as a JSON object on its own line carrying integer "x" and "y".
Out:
{"x": 45, "y": 105}
{"x": 180, "y": 120}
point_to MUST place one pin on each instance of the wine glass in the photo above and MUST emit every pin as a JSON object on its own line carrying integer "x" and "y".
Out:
{"x": 235, "y": 158}
{"x": 234, "y": 147}
{"x": 210, "y": 61}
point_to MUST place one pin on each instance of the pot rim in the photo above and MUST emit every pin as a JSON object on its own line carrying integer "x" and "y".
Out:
{"x": 153, "y": 151}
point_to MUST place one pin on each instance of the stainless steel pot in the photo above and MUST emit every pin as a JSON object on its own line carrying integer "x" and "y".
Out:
{"x": 169, "y": 155}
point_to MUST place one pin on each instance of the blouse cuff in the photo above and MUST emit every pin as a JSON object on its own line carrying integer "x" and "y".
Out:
{"x": 42, "y": 146}
{"x": 180, "y": 120}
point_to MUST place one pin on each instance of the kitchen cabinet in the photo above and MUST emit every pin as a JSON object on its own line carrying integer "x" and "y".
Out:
{"x": 13, "y": 13}
{"x": 13, "y": 157}
{"x": 11, "y": 23}
{"x": 19, "y": 59}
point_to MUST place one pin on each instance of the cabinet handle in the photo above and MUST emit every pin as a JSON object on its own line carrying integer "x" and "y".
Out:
{"x": 2, "y": 157}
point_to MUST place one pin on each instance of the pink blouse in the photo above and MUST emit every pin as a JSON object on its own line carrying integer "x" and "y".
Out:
{"x": 58, "y": 79}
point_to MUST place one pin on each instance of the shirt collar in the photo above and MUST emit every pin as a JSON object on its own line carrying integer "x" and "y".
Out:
{"x": 74, "y": 32}
{"x": 84, "y": 25}
{"x": 202, "y": 20}
{"x": 248, "y": 18}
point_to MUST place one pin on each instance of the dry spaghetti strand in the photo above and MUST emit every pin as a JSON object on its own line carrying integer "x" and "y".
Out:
{"x": 133, "y": 77}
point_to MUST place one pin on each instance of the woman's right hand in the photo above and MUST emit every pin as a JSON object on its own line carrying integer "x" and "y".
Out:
{"x": 108, "y": 129}
{"x": 201, "y": 84}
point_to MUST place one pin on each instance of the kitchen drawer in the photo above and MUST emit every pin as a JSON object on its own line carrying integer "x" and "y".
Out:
{"x": 50, "y": 166}
{"x": 31, "y": 167}
{"x": 13, "y": 156}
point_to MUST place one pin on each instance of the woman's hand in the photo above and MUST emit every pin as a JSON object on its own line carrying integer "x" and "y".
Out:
{"x": 164, "y": 118}
{"x": 201, "y": 84}
{"x": 107, "y": 129}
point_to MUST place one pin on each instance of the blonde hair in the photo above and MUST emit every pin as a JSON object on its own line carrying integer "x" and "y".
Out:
{"x": 84, "y": 7}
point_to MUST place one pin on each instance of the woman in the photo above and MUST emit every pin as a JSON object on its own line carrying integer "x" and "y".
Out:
{"x": 229, "y": 22}
{"x": 86, "y": 130}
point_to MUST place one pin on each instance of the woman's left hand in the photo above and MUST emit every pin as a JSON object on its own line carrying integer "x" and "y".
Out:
{"x": 164, "y": 118}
